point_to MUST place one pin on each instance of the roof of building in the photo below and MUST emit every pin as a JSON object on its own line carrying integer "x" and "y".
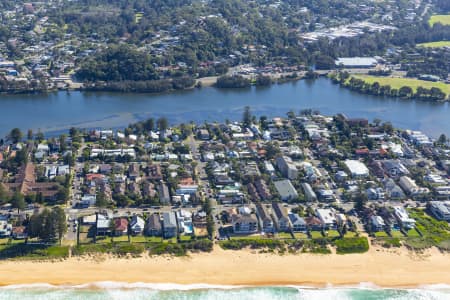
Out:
{"x": 356, "y": 167}
{"x": 285, "y": 188}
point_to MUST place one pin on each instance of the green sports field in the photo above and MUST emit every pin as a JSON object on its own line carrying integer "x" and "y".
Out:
{"x": 435, "y": 44}
{"x": 397, "y": 83}
{"x": 443, "y": 19}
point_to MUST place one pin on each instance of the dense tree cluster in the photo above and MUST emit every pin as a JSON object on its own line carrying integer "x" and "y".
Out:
{"x": 49, "y": 225}
{"x": 118, "y": 63}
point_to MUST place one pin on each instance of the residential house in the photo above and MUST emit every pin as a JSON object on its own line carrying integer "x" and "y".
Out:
{"x": 154, "y": 225}
{"x": 185, "y": 224}
{"x": 441, "y": 210}
{"x": 19, "y": 232}
{"x": 164, "y": 195}
{"x": 377, "y": 223}
{"x": 287, "y": 167}
{"x": 265, "y": 220}
{"x": 244, "y": 222}
{"x": 393, "y": 191}
{"x": 357, "y": 169}
{"x": 410, "y": 187}
{"x": 154, "y": 172}
{"x": 280, "y": 216}
{"x": 313, "y": 223}
{"x": 309, "y": 193}
{"x": 137, "y": 225}
{"x": 169, "y": 225}
{"x": 298, "y": 223}
{"x": 403, "y": 217}
{"x": 120, "y": 226}
{"x": 133, "y": 171}
{"x": 286, "y": 190}
{"x": 327, "y": 217}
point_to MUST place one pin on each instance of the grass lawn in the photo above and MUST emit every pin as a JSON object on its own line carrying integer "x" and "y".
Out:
{"x": 246, "y": 237}
{"x": 413, "y": 233}
{"x": 284, "y": 235}
{"x": 4, "y": 241}
{"x": 435, "y": 44}
{"x": 300, "y": 235}
{"x": 123, "y": 238}
{"x": 381, "y": 234}
{"x": 185, "y": 238}
{"x": 443, "y": 19}
{"x": 350, "y": 234}
{"x": 316, "y": 234}
{"x": 397, "y": 83}
{"x": 172, "y": 240}
{"x": 146, "y": 239}
{"x": 333, "y": 233}
{"x": 397, "y": 234}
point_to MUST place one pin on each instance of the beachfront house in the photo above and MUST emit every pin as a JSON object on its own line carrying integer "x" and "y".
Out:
{"x": 280, "y": 217}
{"x": 137, "y": 225}
{"x": 169, "y": 225}
{"x": 377, "y": 223}
{"x": 154, "y": 226}
{"x": 244, "y": 222}
{"x": 120, "y": 226}
{"x": 403, "y": 217}
{"x": 265, "y": 221}
{"x": 298, "y": 223}
{"x": 441, "y": 210}
{"x": 327, "y": 217}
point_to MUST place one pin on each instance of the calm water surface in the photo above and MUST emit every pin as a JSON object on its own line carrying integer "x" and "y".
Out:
{"x": 59, "y": 111}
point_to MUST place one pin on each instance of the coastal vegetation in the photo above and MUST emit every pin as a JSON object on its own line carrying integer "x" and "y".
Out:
{"x": 317, "y": 245}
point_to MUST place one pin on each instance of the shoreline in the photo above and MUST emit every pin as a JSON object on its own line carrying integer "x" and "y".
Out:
{"x": 244, "y": 268}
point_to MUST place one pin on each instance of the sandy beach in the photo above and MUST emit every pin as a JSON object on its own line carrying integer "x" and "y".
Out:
{"x": 393, "y": 268}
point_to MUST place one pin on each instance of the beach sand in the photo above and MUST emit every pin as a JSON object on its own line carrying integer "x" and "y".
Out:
{"x": 387, "y": 268}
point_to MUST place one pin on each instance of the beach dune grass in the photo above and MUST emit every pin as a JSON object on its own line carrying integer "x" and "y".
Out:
{"x": 439, "y": 44}
{"x": 397, "y": 83}
{"x": 352, "y": 245}
{"x": 443, "y": 19}
{"x": 33, "y": 251}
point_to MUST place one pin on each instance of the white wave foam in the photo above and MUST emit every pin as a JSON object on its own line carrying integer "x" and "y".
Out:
{"x": 116, "y": 285}
{"x": 438, "y": 286}
{"x": 108, "y": 285}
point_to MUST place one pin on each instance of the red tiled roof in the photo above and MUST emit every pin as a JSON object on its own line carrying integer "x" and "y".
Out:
{"x": 121, "y": 224}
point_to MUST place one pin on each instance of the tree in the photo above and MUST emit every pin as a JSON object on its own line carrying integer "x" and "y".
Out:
{"x": 149, "y": 125}
{"x": 30, "y": 134}
{"x": 58, "y": 218}
{"x": 247, "y": 117}
{"x": 15, "y": 135}
{"x": 39, "y": 136}
{"x": 361, "y": 200}
{"x": 3, "y": 194}
{"x": 18, "y": 201}
{"x": 101, "y": 200}
{"x": 442, "y": 139}
{"x": 162, "y": 123}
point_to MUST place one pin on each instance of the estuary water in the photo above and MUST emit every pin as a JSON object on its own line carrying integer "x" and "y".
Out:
{"x": 59, "y": 111}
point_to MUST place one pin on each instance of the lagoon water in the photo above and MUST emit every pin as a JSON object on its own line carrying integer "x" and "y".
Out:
{"x": 59, "y": 111}
{"x": 175, "y": 292}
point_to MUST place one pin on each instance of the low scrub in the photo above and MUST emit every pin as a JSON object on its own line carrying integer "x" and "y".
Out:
{"x": 352, "y": 245}
{"x": 32, "y": 251}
